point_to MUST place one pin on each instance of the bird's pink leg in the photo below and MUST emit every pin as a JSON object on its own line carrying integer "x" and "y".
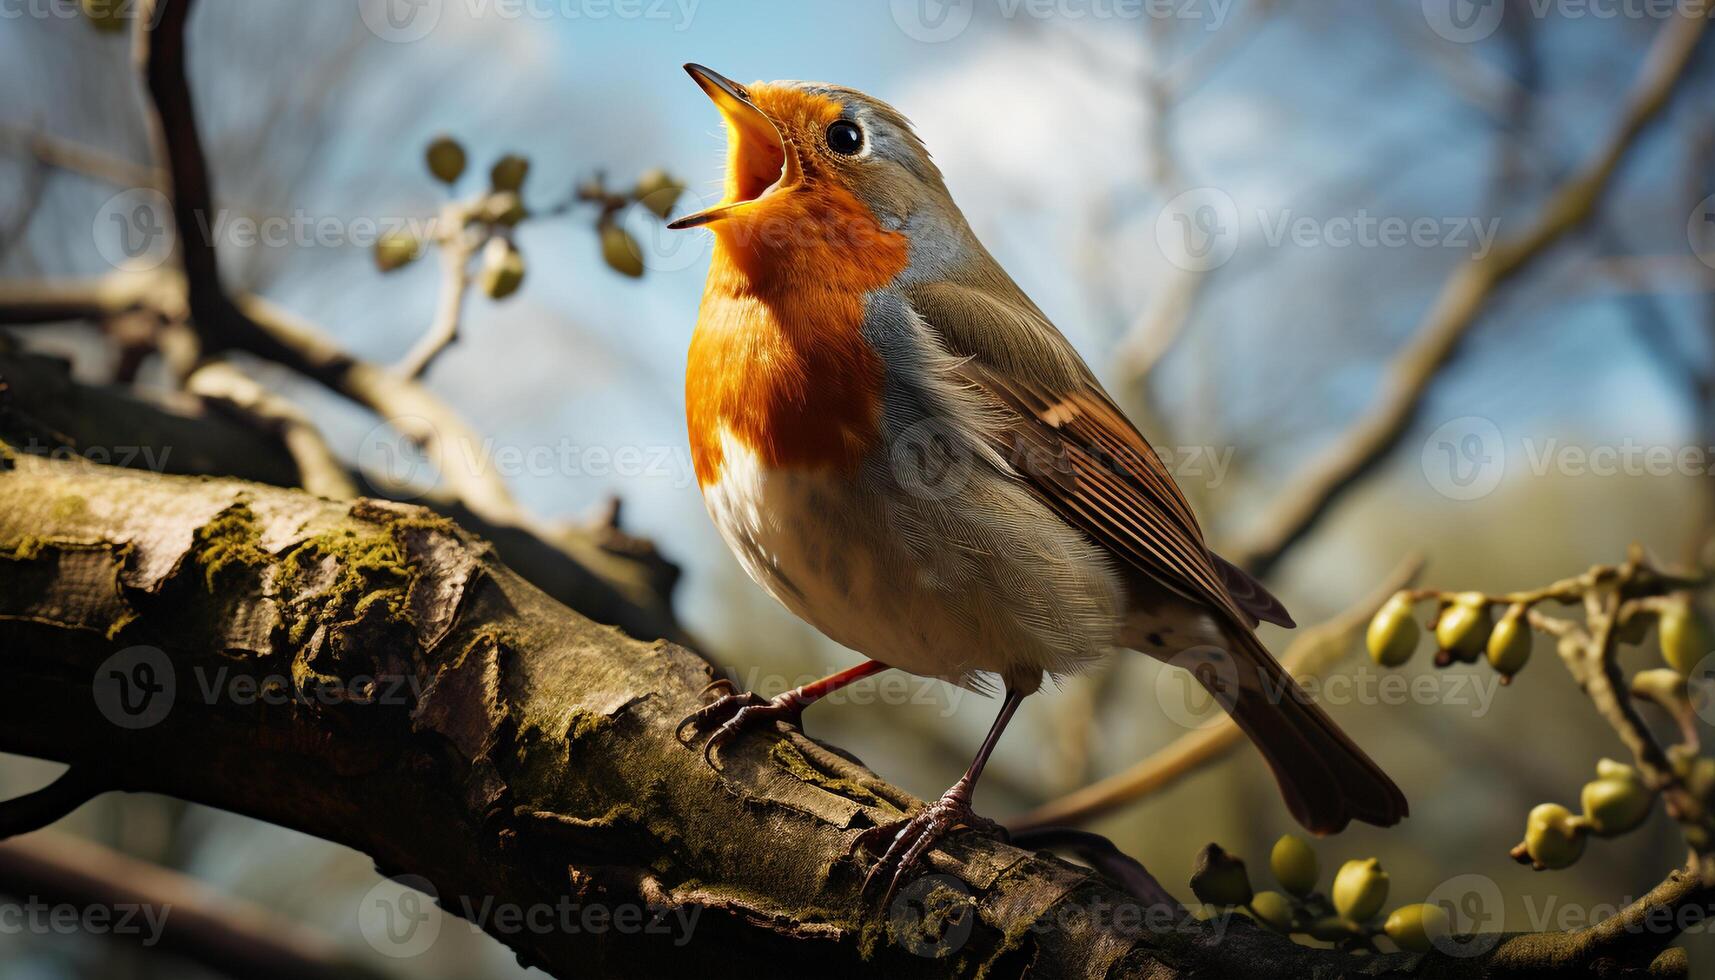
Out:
{"x": 912, "y": 838}
{"x": 735, "y": 711}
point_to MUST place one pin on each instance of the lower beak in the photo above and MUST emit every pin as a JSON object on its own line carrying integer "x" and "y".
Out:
{"x": 758, "y": 160}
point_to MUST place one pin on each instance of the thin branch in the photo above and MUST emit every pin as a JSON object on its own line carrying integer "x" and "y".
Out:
{"x": 216, "y": 931}
{"x": 264, "y": 329}
{"x": 78, "y": 158}
{"x": 37, "y": 302}
{"x": 1312, "y": 493}
{"x": 319, "y": 470}
{"x": 33, "y": 811}
{"x": 455, "y": 251}
{"x": 1313, "y": 652}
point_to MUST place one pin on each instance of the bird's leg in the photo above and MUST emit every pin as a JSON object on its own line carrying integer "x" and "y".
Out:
{"x": 912, "y": 838}
{"x": 735, "y": 711}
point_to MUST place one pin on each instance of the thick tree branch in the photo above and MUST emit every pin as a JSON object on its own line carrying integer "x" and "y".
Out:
{"x": 597, "y": 570}
{"x": 368, "y": 673}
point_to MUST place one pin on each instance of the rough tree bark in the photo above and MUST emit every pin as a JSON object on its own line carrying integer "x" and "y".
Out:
{"x": 367, "y": 672}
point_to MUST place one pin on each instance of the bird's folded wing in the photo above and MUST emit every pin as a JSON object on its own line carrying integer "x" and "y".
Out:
{"x": 1078, "y": 452}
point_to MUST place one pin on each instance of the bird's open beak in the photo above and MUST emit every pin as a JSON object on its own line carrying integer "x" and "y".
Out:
{"x": 759, "y": 162}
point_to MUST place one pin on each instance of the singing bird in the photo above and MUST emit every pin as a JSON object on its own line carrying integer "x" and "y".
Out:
{"x": 901, "y": 448}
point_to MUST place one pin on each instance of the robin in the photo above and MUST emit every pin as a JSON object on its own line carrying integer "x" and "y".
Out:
{"x": 901, "y": 448}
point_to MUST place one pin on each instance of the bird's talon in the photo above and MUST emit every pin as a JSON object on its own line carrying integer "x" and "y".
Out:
{"x": 733, "y": 713}
{"x": 910, "y": 839}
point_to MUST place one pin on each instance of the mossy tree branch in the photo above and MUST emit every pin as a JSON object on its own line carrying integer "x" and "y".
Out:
{"x": 368, "y": 673}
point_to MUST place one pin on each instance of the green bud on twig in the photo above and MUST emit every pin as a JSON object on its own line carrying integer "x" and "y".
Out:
{"x": 658, "y": 191}
{"x": 1663, "y": 686}
{"x": 1616, "y": 802}
{"x": 1360, "y": 888}
{"x": 107, "y": 16}
{"x": 1553, "y": 837}
{"x": 1393, "y": 633}
{"x": 446, "y": 159}
{"x": 502, "y": 269}
{"x": 508, "y": 173}
{"x": 1700, "y": 779}
{"x": 1684, "y": 635}
{"x": 1272, "y": 909}
{"x": 1415, "y": 928}
{"x": 619, "y": 250}
{"x": 1294, "y": 865}
{"x": 396, "y": 249}
{"x": 1220, "y": 879}
{"x": 1463, "y": 629}
{"x": 1509, "y": 643}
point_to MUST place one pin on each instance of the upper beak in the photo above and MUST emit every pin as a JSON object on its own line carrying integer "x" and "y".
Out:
{"x": 758, "y": 160}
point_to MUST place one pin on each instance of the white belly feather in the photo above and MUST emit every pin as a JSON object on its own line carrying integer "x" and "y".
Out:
{"x": 977, "y": 579}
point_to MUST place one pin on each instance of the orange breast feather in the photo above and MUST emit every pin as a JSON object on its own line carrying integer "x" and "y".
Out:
{"x": 778, "y": 359}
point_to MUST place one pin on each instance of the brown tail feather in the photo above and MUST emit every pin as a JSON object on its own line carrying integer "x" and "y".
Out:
{"x": 1326, "y": 779}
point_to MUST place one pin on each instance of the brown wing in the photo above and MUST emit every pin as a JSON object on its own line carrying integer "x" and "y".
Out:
{"x": 1079, "y": 452}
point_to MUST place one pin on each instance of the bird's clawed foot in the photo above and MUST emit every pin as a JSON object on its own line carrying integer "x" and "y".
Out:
{"x": 908, "y": 840}
{"x": 734, "y": 712}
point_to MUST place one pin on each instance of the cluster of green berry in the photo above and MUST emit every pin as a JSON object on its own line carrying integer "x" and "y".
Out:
{"x": 1621, "y": 797}
{"x": 1348, "y": 915}
{"x": 501, "y": 207}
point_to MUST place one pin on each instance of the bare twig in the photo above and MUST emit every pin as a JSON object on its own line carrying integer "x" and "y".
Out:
{"x": 75, "y": 157}
{"x": 319, "y": 470}
{"x": 1315, "y": 651}
{"x": 1314, "y": 491}
{"x": 220, "y": 932}
{"x": 455, "y": 251}
{"x": 33, "y": 811}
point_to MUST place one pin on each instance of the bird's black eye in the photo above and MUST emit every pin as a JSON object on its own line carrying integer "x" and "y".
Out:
{"x": 845, "y": 138}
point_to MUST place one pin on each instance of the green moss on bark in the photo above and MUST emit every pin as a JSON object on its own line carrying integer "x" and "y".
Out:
{"x": 27, "y": 548}
{"x": 371, "y": 577}
{"x": 228, "y": 548}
